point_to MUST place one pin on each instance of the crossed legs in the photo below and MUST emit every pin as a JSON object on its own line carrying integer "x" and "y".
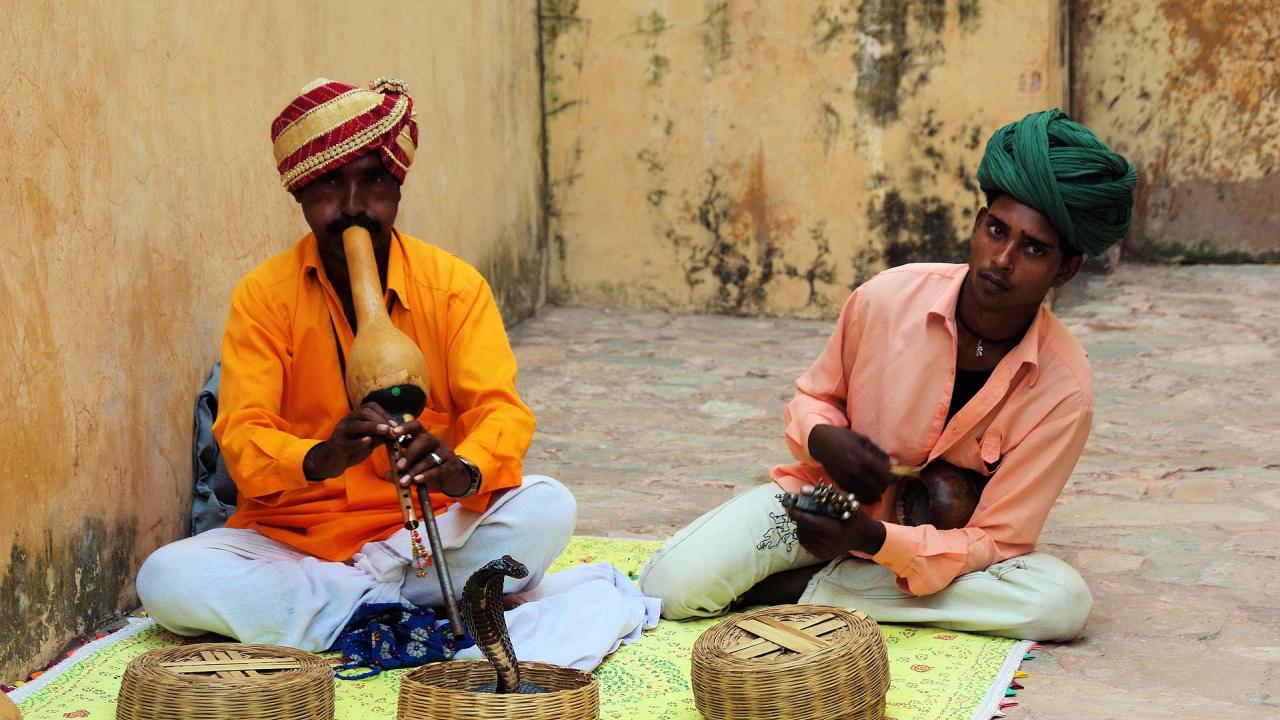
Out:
{"x": 239, "y": 583}
{"x": 723, "y": 557}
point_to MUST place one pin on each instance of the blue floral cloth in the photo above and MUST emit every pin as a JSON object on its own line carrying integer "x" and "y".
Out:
{"x": 385, "y": 636}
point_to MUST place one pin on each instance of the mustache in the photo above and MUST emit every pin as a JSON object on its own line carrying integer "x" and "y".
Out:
{"x": 337, "y": 226}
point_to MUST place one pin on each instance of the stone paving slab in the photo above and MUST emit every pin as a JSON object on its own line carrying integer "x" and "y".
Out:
{"x": 653, "y": 418}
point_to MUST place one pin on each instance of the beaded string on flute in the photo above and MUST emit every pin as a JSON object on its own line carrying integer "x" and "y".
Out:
{"x": 420, "y": 557}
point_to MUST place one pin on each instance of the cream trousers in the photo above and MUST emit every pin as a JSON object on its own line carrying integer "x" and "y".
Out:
{"x": 703, "y": 568}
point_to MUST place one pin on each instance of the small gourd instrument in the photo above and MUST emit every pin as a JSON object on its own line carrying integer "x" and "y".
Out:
{"x": 385, "y": 366}
{"x": 941, "y": 495}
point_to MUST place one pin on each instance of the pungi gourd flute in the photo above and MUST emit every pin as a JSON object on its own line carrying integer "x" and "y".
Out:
{"x": 385, "y": 366}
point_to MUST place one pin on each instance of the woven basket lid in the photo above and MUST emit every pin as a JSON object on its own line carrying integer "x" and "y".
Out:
{"x": 792, "y": 661}
{"x": 231, "y": 681}
{"x": 447, "y": 691}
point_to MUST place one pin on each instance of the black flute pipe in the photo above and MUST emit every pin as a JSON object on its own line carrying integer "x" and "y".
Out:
{"x": 437, "y": 559}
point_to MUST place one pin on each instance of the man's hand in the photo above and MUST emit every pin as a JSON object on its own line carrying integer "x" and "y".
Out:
{"x": 428, "y": 461}
{"x": 351, "y": 441}
{"x": 852, "y": 461}
{"x": 827, "y": 537}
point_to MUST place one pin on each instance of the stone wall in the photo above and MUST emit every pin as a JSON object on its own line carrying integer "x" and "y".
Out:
{"x": 1190, "y": 92}
{"x": 139, "y": 181}
{"x": 747, "y": 156}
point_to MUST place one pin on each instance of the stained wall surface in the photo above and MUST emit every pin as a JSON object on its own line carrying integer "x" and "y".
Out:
{"x": 748, "y": 156}
{"x": 138, "y": 185}
{"x": 1190, "y": 92}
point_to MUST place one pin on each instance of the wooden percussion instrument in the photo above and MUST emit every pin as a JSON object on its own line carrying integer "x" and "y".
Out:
{"x": 385, "y": 366}
{"x": 941, "y": 495}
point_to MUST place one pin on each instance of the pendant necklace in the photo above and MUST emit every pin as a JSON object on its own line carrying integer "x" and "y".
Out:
{"x": 977, "y": 351}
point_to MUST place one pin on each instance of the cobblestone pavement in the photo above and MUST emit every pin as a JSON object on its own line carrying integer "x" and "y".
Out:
{"x": 1171, "y": 514}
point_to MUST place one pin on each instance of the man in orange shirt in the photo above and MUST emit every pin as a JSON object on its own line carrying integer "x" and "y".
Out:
{"x": 318, "y": 530}
{"x": 933, "y": 364}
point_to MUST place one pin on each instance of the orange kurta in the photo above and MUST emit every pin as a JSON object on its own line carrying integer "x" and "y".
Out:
{"x": 887, "y": 372}
{"x": 282, "y": 392}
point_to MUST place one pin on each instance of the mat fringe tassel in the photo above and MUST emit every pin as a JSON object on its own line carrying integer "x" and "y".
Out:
{"x": 991, "y": 704}
{"x": 135, "y": 626}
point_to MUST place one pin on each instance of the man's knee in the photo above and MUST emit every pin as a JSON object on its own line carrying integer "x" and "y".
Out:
{"x": 155, "y": 573}
{"x": 704, "y": 567}
{"x": 1059, "y": 607}
{"x": 1066, "y": 612}
{"x": 163, "y": 586}
{"x": 662, "y": 580}
{"x": 679, "y": 580}
{"x": 542, "y": 517}
{"x": 555, "y": 507}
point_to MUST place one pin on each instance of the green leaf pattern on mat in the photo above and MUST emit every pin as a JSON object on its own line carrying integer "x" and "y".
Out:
{"x": 937, "y": 674}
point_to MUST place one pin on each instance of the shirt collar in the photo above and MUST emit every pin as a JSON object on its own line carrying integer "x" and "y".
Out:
{"x": 396, "y": 270}
{"x": 945, "y": 306}
{"x": 1027, "y": 352}
{"x": 396, "y": 285}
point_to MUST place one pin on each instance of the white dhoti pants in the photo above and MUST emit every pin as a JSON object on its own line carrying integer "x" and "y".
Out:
{"x": 703, "y": 568}
{"x": 239, "y": 583}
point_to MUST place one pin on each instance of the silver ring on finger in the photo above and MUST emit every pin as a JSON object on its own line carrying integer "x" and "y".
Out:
{"x": 436, "y": 460}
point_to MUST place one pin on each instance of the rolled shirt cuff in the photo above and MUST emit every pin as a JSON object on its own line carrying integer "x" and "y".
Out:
{"x": 898, "y": 552}
{"x": 283, "y": 474}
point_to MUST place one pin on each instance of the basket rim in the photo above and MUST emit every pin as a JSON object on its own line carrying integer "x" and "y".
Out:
{"x": 149, "y": 666}
{"x": 416, "y": 676}
{"x": 707, "y": 644}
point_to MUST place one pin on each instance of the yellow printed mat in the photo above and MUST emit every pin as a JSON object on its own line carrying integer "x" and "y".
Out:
{"x": 936, "y": 674}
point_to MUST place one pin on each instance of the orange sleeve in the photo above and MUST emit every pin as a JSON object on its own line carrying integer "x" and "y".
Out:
{"x": 822, "y": 390}
{"x": 494, "y": 425}
{"x": 1008, "y": 519}
{"x": 262, "y": 454}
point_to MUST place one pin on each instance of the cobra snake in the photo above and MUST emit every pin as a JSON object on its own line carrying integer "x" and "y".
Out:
{"x": 482, "y": 611}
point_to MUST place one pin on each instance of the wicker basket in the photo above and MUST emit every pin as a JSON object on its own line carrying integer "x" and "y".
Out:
{"x": 445, "y": 691}
{"x": 231, "y": 681}
{"x": 792, "y": 661}
{"x": 8, "y": 711}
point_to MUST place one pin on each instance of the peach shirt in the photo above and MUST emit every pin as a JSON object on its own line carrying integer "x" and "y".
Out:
{"x": 282, "y": 392}
{"x": 887, "y": 371}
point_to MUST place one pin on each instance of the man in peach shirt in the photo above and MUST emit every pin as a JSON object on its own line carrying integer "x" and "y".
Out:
{"x": 929, "y": 366}
{"x": 318, "y": 529}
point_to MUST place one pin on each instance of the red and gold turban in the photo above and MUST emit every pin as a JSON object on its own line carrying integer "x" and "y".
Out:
{"x": 332, "y": 123}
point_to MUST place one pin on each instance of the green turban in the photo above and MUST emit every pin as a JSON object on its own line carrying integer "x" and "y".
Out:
{"x": 1060, "y": 168}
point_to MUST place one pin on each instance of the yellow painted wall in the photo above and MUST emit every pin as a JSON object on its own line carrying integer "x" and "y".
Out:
{"x": 138, "y": 185}
{"x": 751, "y": 156}
{"x": 741, "y": 156}
{"x": 1190, "y": 92}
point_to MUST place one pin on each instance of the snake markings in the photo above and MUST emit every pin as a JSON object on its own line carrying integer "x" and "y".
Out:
{"x": 483, "y": 612}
